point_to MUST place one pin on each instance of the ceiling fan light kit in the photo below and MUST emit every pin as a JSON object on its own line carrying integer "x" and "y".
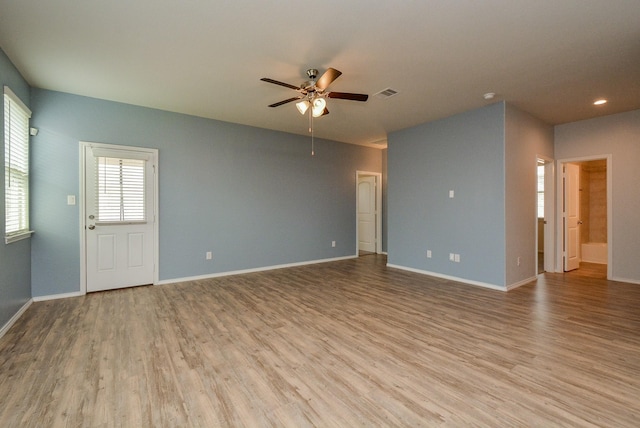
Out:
{"x": 303, "y": 106}
{"x": 313, "y": 94}
{"x": 319, "y": 106}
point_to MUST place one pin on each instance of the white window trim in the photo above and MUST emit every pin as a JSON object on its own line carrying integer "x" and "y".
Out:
{"x": 15, "y": 99}
{"x": 8, "y": 239}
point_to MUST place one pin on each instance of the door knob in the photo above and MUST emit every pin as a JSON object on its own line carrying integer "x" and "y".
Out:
{"x": 91, "y": 227}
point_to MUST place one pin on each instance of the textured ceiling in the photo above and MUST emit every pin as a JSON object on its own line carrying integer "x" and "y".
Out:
{"x": 205, "y": 58}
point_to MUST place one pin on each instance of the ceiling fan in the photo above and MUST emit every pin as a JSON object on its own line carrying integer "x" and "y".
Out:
{"x": 313, "y": 92}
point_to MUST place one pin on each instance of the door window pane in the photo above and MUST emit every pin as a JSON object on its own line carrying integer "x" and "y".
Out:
{"x": 120, "y": 185}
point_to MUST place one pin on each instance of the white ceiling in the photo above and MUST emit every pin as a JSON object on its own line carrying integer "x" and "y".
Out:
{"x": 552, "y": 58}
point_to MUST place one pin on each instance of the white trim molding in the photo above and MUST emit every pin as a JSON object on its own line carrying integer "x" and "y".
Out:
{"x": 521, "y": 283}
{"x": 58, "y": 296}
{"x": 5, "y": 328}
{"x": 451, "y": 278}
{"x": 627, "y": 280}
{"x": 260, "y": 269}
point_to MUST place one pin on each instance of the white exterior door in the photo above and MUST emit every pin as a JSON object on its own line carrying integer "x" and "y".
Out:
{"x": 119, "y": 223}
{"x": 367, "y": 214}
{"x": 571, "y": 217}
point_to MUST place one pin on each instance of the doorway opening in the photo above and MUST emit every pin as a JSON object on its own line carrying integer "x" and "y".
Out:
{"x": 585, "y": 210}
{"x": 368, "y": 213}
{"x": 119, "y": 206}
{"x": 545, "y": 224}
{"x": 540, "y": 212}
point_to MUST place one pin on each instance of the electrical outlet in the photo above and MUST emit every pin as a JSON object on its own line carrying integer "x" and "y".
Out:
{"x": 333, "y": 244}
{"x": 452, "y": 257}
{"x": 428, "y": 254}
{"x": 209, "y": 255}
{"x": 456, "y": 258}
{"x": 518, "y": 261}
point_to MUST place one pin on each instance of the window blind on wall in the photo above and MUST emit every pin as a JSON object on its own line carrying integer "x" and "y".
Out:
{"x": 120, "y": 185}
{"x": 16, "y": 167}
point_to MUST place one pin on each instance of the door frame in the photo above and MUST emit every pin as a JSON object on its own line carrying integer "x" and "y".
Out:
{"x": 378, "y": 193}
{"x": 84, "y": 145}
{"x": 559, "y": 204}
{"x": 549, "y": 215}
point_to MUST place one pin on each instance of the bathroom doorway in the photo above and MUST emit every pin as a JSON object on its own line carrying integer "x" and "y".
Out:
{"x": 585, "y": 211}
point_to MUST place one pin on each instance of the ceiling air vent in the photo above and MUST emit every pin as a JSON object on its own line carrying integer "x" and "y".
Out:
{"x": 386, "y": 93}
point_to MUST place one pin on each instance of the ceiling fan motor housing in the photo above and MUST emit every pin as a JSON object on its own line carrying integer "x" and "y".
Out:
{"x": 312, "y": 73}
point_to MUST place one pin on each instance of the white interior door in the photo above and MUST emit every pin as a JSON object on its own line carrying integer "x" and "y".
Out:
{"x": 119, "y": 187}
{"x": 571, "y": 217}
{"x": 367, "y": 213}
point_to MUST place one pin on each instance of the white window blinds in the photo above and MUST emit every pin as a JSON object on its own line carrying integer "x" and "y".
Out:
{"x": 120, "y": 185}
{"x": 16, "y": 167}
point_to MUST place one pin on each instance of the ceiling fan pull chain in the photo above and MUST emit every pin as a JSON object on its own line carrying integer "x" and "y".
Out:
{"x": 311, "y": 130}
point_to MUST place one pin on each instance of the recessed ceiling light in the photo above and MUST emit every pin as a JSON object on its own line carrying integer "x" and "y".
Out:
{"x": 599, "y": 102}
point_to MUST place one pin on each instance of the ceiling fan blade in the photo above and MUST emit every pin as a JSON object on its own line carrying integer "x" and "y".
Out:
{"x": 284, "y": 102}
{"x": 329, "y": 76}
{"x": 348, "y": 96}
{"x": 325, "y": 112}
{"x": 275, "y": 82}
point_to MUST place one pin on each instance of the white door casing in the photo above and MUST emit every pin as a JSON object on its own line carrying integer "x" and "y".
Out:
{"x": 119, "y": 251}
{"x": 549, "y": 218}
{"x": 571, "y": 217}
{"x": 367, "y": 213}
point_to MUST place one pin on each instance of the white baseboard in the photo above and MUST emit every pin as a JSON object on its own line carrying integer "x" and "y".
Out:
{"x": 451, "y": 278}
{"x": 5, "y": 328}
{"x": 630, "y": 281}
{"x": 521, "y": 283}
{"x": 260, "y": 269}
{"x": 58, "y": 296}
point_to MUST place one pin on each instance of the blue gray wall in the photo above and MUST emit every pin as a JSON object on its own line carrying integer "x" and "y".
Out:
{"x": 255, "y": 198}
{"x": 15, "y": 262}
{"x": 464, "y": 153}
{"x": 617, "y": 135}
{"x": 526, "y": 139}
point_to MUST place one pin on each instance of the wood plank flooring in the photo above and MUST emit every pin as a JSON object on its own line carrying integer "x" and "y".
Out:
{"x": 347, "y": 343}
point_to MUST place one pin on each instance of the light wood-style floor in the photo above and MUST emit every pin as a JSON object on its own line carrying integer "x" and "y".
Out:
{"x": 347, "y": 343}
